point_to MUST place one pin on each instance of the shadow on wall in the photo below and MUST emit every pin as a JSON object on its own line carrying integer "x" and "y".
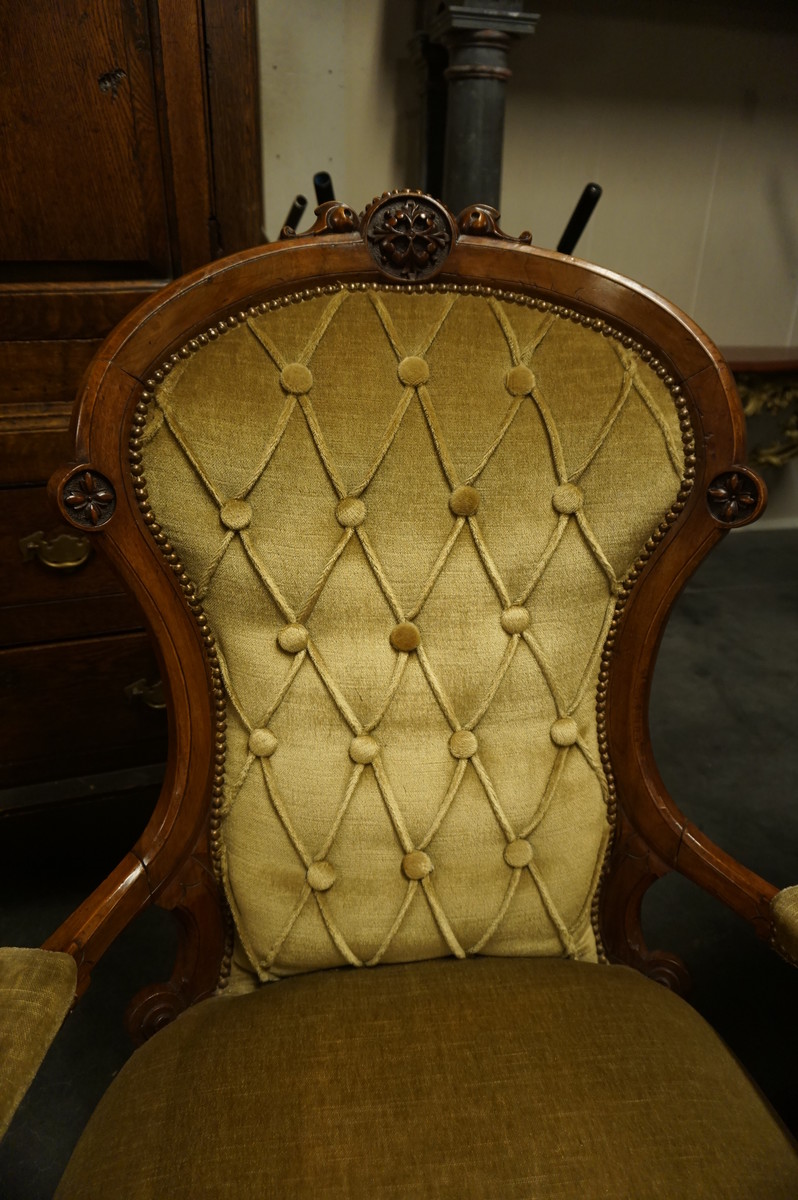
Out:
{"x": 688, "y": 117}
{"x": 396, "y": 64}
{"x": 782, "y": 203}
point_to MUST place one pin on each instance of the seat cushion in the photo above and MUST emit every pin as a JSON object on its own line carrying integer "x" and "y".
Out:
{"x": 485, "y": 1078}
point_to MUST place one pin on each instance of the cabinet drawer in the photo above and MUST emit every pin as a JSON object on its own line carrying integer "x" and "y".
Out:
{"x": 65, "y": 711}
{"x": 38, "y": 384}
{"x": 41, "y": 602}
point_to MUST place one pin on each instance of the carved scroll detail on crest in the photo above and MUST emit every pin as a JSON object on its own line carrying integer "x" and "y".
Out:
{"x": 480, "y": 220}
{"x": 331, "y": 217}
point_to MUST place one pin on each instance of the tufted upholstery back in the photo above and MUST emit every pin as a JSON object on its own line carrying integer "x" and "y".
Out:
{"x": 408, "y": 514}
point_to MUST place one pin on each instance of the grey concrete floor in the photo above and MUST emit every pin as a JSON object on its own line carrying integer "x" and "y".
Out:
{"x": 723, "y": 721}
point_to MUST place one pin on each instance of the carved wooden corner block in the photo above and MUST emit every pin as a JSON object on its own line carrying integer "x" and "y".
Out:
{"x": 84, "y": 496}
{"x": 736, "y": 497}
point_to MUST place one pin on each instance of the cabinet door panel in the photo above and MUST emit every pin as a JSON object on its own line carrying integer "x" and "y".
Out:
{"x": 82, "y": 178}
{"x": 130, "y": 153}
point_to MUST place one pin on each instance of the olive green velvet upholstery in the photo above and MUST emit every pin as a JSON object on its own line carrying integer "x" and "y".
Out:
{"x": 37, "y": 988}
{"x": 785, "y": 920}
{"x": 529, "y": 1078}
{"x": 407, "y": 516}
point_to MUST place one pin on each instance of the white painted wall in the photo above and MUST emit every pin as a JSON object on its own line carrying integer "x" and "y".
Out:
{"x": 337, "y": 94}
{"x": 686, "y": 113}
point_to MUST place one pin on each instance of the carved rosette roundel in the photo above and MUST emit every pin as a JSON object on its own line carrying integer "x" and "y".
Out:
{"x": 89, "y": 499}
{"x": 736, "y": 497}
{"x": 409, "y": 236}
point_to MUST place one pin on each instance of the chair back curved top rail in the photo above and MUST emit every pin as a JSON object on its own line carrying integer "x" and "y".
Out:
{"x": 405, "y": 502}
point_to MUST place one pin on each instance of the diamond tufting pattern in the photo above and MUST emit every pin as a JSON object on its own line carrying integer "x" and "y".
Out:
{"x": 407, "y": 515}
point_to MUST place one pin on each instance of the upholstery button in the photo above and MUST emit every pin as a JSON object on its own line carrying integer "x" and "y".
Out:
{"x": 320, "y": 876}
{"x": 363, "y": 748}
{"x": 568, "y": 498}
{"x": 463, "y": 744}
{"x": 405, "y": 636}
{"x": 416, "y": 864}
{"x": 519, "y": 381}
{"x": 413, "y": 371}
{"x": 262, "y": 742}
{"x": 296, "y": 378}
{"x": 518, "y": 853}
{"x": 564, "y": 732}
{"x": 236, "y": 514}
{"x": 464, "y": 501}
{"x": 514, "y": 619}
{"x": 350, "y": 512}
{"x": 292, "y": 638}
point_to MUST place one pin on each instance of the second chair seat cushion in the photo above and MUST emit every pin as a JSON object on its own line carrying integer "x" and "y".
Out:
{"x": 445, "y": 1079}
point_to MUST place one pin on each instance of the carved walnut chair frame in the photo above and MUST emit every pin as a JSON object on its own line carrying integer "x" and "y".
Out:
{"x": 402, "y": 238}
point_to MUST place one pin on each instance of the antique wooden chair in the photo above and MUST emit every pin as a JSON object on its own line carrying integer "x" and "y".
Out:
{"x": 406, "y": 503}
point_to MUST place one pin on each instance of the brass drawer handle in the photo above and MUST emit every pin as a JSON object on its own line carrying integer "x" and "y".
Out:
{"x": 150, "y": 694}
{"x": 63, "y": 552}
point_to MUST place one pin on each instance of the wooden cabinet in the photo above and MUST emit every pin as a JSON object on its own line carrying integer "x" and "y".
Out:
{"x": 130, "y": 154}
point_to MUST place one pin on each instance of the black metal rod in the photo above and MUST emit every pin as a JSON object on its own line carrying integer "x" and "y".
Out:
{"x": 579, "y": 218}
{"x": 324, "y": 187}
{"x": 295, "y": 212}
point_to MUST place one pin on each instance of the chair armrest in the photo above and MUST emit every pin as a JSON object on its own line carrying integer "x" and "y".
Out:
{"x": 784, "y": 907}
{"x": 37, "y": 988}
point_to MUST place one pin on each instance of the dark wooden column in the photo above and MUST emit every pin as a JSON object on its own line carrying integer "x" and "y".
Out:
{"x": 477, "y": 34}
